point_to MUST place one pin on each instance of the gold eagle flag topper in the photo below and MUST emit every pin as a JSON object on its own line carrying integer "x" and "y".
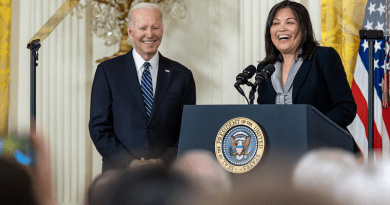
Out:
{"x": 53, "y": 22}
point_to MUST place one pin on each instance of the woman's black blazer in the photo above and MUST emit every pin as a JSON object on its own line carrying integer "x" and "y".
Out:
{"x": 321, "y": 82}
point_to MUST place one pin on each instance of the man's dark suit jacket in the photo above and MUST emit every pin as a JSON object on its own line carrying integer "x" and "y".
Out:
{"x": 321, "y": 82}
{"x": 118, "y": 122}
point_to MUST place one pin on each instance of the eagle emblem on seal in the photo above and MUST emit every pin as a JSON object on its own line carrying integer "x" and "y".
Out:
{"x": 240, "y": 144}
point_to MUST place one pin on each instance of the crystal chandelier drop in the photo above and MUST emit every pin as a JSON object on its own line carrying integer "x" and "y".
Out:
{"x": 109, "y": 19}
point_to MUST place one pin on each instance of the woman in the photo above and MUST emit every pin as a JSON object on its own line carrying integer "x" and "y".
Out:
{"x": 305, "y": 73}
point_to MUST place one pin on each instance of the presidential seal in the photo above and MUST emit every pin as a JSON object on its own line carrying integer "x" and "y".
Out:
{"x": 239, "y": 145}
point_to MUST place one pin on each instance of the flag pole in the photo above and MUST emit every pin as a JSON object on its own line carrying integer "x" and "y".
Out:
{"x": 371, "y": 36}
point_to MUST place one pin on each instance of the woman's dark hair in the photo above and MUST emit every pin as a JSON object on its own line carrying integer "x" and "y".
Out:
{"x": 308, "y": 43}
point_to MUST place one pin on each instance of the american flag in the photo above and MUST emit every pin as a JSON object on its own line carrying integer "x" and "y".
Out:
{"x": 375, "y": 19}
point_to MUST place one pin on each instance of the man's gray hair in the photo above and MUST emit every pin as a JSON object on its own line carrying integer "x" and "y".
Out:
{"x": 142, "y": 6}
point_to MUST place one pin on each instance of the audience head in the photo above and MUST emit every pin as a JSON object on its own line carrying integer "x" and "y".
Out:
{"x": 26, "y": 184}
{"x": 369, "y": 184}
{"x": 16, "y": 184}
{"x": 142, "y": 186}
{"x": 100, "y": 191}
{"x": 336, "y": 173}
{"x": 319, "y": 169}
{"x": 202, "y": 168}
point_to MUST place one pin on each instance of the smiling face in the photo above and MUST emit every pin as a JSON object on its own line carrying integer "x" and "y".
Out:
{"x": 146, "y": 32}
{"x": 285, "y": 34}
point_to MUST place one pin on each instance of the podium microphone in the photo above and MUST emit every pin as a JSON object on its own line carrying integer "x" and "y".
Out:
{"x": 247, "y": 73}
{"x": 243, "y": 77}
{"x": 263, "y": 75}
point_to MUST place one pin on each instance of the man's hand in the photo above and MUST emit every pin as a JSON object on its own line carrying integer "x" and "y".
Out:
{"x": 150, "y": 163}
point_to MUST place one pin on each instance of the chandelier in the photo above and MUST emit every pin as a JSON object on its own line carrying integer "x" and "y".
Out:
{"x": 109, "y": 19}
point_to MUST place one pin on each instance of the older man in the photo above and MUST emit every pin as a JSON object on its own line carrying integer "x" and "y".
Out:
{"x": 137, "y": 99}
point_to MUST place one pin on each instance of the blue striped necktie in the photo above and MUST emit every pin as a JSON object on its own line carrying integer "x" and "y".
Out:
{"x": 147, "y": 89}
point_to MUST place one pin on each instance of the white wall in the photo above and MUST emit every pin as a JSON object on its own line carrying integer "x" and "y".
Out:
{"x": 207, "y": 43}
{"x": 216, "y": 40}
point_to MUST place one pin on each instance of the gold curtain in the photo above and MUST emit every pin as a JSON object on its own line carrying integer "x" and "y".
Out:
{"x": 5, "y": 45}
{"x": 341, "y": 21}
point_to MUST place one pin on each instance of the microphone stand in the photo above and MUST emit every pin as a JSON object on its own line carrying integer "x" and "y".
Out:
{"x": 34, "y": 47}
{"x": 237, "y": 86}
{"x": 252, "y": 93}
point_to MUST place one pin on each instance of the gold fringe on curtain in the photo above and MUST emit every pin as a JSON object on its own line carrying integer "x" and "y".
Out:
{"x": 5, "y": 46}
{"x": 340, "y": 24}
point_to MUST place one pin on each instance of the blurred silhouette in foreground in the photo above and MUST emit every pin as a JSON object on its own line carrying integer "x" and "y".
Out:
{"x": 319, "y": 169}
{"x": 204, "y": 171}
{"x": 146, "y": 186}
{"x": 336, "y": 173}
{"x": 16, "y": 185}
{"x": 27, "y": 184}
